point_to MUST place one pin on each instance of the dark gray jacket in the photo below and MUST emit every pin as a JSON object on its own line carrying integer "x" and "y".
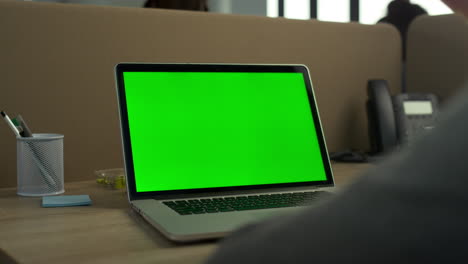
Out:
{"x": 413, "y": 208}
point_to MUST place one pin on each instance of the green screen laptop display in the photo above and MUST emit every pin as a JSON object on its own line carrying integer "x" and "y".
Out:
{"x": 195, "y": 130}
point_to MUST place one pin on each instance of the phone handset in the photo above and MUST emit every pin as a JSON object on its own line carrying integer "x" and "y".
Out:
{"x": 381, "y": 117}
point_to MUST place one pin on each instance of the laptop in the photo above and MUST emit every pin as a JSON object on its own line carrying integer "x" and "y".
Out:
{"x": 211, "y": 147}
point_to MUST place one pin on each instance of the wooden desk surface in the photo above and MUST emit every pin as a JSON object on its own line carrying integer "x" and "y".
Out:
{"x": 106, "y": 232}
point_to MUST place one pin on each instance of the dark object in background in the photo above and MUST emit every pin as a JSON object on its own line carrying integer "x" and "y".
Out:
{"x": 401, "y": 13}
{"x": 196, "y": 5}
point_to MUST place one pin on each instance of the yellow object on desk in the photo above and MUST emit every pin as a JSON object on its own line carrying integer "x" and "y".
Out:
{"x": 114, "y": 178}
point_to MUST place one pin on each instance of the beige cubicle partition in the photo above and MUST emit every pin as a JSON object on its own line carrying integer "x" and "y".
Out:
{"x": 57, "y": 68}
{"x": 438, "y": 55}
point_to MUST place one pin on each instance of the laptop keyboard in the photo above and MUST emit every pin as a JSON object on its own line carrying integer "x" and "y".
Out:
{"x": 240, "y": 203}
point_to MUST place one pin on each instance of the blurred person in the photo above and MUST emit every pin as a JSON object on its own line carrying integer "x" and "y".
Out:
{"x": 400, "y": 13}
{"x": 410, "y": 209}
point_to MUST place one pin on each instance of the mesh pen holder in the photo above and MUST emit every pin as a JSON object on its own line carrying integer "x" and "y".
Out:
{"x": 40, "y": 165}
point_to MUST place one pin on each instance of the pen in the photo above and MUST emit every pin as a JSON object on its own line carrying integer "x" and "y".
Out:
{"x": 12, "y": 126}
{"x": 26, "y": 131}
{"x": 20, "y": 129}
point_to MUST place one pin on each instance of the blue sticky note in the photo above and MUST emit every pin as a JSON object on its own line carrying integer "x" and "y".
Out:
{"x": 65, "y": 200}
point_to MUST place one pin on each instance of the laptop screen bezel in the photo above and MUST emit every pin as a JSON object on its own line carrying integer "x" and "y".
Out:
{"x": 125, "y": 129}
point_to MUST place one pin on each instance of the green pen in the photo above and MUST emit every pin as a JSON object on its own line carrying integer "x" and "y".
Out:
{"x": 18, "y": 126}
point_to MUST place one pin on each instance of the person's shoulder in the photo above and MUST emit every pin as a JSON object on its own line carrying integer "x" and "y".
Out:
{"x": 418, "y": 10}
{"x": 383, "y": 20}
